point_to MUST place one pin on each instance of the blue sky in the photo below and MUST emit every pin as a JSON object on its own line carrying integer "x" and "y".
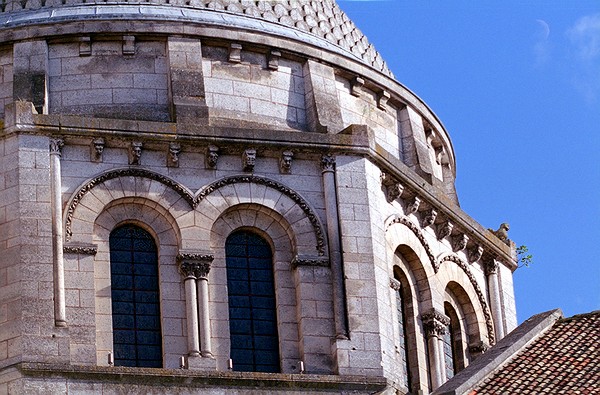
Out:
{"x": 517, "y": 85}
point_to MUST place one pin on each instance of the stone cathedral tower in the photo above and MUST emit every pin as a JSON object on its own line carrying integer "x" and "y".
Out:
{"x": 218, "y": 195}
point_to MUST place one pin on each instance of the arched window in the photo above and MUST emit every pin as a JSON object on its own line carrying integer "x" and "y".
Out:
{"x": 402, "y": 332}
{"x": 137, "y": 339}
{"x": 453, "y": 353}
{"x": 252, "y": 308}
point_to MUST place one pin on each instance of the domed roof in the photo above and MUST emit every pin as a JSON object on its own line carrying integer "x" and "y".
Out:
{"x": 322, "y": 18}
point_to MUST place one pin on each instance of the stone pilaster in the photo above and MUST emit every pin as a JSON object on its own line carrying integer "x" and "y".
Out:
{"x": 60, "y": 318}
{"x": 335, "y": 255}
{"x": 490, "y": 267}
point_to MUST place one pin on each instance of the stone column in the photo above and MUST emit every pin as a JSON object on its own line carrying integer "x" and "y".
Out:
{"x": 491, "y": 272}
{"x": 195, "y": 267}
{"x": 435, "y": 324}
{"x": 202, "y": 269}
{"x": 186, "y": 268}
{"x": 60, "y": 318}
{"x": 335, "y": 255}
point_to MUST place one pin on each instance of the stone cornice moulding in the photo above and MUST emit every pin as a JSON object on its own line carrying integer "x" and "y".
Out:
{"x": 25, "y": 120}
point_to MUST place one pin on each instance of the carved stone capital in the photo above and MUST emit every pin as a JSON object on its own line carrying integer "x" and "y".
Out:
{"x": 194, "y": 265}
{"x": 97, "y": 149}
{"x": 328, "y": 163}
{"x": 429, "y": 218}
{"x": 249, "y": 159}
{"x": 212, "y": 156}
{"x": 173, "y": 154}
{"x": 460, "y": 242}
{"x": 490, "y": 266}
{"x": 444, "y": 230}
{"x": 414, "y": 206}
{"x": 435, "y": 323}
{"x": 475, "y": 253}
{"x": 135, "y": 152}
{"x": 395, "y": 284}
{"x": 285, "y": 163}
{"x": 56, "y": 145}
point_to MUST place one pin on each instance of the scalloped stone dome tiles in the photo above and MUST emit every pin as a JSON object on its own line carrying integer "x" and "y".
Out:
{"x": 323, "y": 18}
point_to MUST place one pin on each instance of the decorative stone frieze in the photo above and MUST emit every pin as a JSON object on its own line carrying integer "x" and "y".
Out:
{"x": 444, "y": 230}
{"x": 285, "y": 163}
{"x": 211, "y": 157}
{"x": 173, "y": 154}
{"x": 328, "y": 163}
{"x": 429, "y": 218}
{"x": 414, "y": 206}
{"x": 435, "y": 323}
{"x": 56, "y": 145}
{"x": 475, "y": 253}
{"x": 382, "y": 100}
{"x": 235, "y": 53}
{"x": 80, "y": 249}
{"x": 460, "y": 242}
{"x": 97, "y": 149}
{"x": 355, "y": 86}
{"x": 249, "y": 159}
{"x": 273, "y": 59}
{"x": 315, "y": 262}
{"x": 392, "y": 187}
{"x": 135, "y": 152}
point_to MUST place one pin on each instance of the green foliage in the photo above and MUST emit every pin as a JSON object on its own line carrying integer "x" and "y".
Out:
{"x": 524, "y": 258}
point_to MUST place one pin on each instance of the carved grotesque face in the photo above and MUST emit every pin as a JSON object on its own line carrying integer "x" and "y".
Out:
{"x": 286, "y": 162}
{"x": 99, "y": 147}
{"x": 137, "y": 151}
{"x": 174, "y": 151}
{"x": 250, "y": 158}
{"x": 212, "y": 158}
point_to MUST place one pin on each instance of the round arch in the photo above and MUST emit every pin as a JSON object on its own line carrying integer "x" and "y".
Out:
{"x": 275, "y": 229}
{"x": 163, "y": 228}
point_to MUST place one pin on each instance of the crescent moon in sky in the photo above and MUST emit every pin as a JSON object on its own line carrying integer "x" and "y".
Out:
{"x": 545, "y": 28}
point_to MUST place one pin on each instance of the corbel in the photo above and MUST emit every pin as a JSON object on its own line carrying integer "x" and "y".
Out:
{"x": 382, "y": 100}
{"x": 355, "y": 86}
{"x": 273, "y": 59}
{"x": 85, "y": 46}
{"x": 444, "y": 230}
{"x": 235, "y": 53}
{"x": 128, "y": 45}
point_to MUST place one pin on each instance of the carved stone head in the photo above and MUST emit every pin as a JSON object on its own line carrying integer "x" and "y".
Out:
{"x": 173, "y": 157}
{"x": 97, "y": 149}
{"x": 135, "y": 152}
{"x": 285, "y": 163}
{"x": 249, "y": 159}
{"x": 212, "y": 156}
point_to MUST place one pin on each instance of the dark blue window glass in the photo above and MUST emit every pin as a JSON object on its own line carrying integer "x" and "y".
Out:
{"x": 403, "y": 343}
{"x": 137, "y": 339}
{"x": 252, "y": 314}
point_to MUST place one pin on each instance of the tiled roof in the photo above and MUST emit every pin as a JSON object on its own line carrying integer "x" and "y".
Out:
{"x": 563, "y": 360}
